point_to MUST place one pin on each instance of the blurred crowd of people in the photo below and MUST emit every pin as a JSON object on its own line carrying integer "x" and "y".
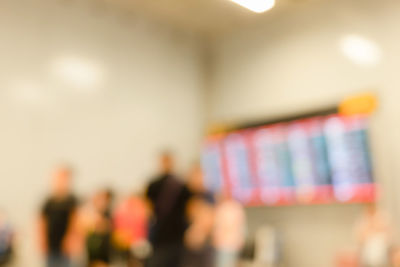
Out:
{"x": 175, "y": 223}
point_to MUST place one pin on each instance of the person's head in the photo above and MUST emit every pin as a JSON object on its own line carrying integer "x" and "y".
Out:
{"x": 371, "y": 208}
{"x": 61, "y": 181}
{"x": 102, "y": 199}
{"x": 109, "y": 195}
{"x": 225, "y": 195}
{"x": 196, "y": 179}
{"x": 166, "y": 162}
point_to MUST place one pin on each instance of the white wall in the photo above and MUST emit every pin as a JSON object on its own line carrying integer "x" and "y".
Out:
{"x": 292, "y": 63}
{"x": 148, "y": 98}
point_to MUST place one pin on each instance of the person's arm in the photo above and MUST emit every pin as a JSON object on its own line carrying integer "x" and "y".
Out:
{"x": 150, "y": 198}
{"x": 150, "y": 192}
{"x": 42, "y": 229}
{"x": 42, "y": 234}
{"x": 74, "y": 238}
{"x": 201, "y": 215}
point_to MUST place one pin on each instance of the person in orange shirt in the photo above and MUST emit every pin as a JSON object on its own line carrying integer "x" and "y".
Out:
{"x": 130, "y": 229}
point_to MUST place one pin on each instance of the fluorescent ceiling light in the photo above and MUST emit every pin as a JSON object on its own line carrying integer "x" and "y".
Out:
{"x": 78, "y": 72}
{"x": 360, "y": 50}
{"x": 257, "y": 6}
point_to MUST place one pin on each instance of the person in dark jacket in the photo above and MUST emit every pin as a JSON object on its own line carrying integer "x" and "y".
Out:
{"x": 168, "y": 197}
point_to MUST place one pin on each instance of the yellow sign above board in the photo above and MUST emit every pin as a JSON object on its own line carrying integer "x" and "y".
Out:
{"x": 363, "y": 104}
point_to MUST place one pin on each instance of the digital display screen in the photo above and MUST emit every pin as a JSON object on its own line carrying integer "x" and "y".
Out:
{"x": 349, "y": 158}
{"x": 315, "y": 160}
{"x": 211, "y": 161}
{"x": 273, "y": 166}
{"x": 239, "y": 170}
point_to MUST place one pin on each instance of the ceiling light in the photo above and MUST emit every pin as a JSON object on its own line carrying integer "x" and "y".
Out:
{"x": 77, "y": 72}
{"x": 257, "y": 6}
{"x": 360, "y": 50}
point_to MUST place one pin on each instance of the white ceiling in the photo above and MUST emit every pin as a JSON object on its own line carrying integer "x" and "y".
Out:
{"x": 209, "y": 17}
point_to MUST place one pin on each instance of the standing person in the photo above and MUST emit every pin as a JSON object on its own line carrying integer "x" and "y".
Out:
{"x": 374, "y": 236}
{"x": 58, "y": 221}
{"x": 6, "y": 241}
{"x": 98, "y": 239}
{"x": 130, "y": 230}
{"x": 229, "y": 231}
{"x": 168, "y": 198}
{"x": 198, "y": 246}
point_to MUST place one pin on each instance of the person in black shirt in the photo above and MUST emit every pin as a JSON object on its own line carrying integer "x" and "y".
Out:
{"x": 57, "y": 218}
{"x": 98, "y": 240}
{"x": 168, "y": 198}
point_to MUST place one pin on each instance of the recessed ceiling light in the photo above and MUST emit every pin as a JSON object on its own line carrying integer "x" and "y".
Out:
{"x": 360, "y": 50}
{"x": 77, "y": 71}
{"x": 257, "y": 6}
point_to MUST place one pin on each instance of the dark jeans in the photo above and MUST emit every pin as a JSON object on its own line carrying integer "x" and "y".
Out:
{"x": 55, "y": 259}
{"x": 200, "y": 258}
{"x": 166, "y": 256}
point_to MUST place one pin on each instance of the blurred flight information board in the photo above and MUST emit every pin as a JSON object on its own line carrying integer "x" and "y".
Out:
{"x": 315, "y": 160}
